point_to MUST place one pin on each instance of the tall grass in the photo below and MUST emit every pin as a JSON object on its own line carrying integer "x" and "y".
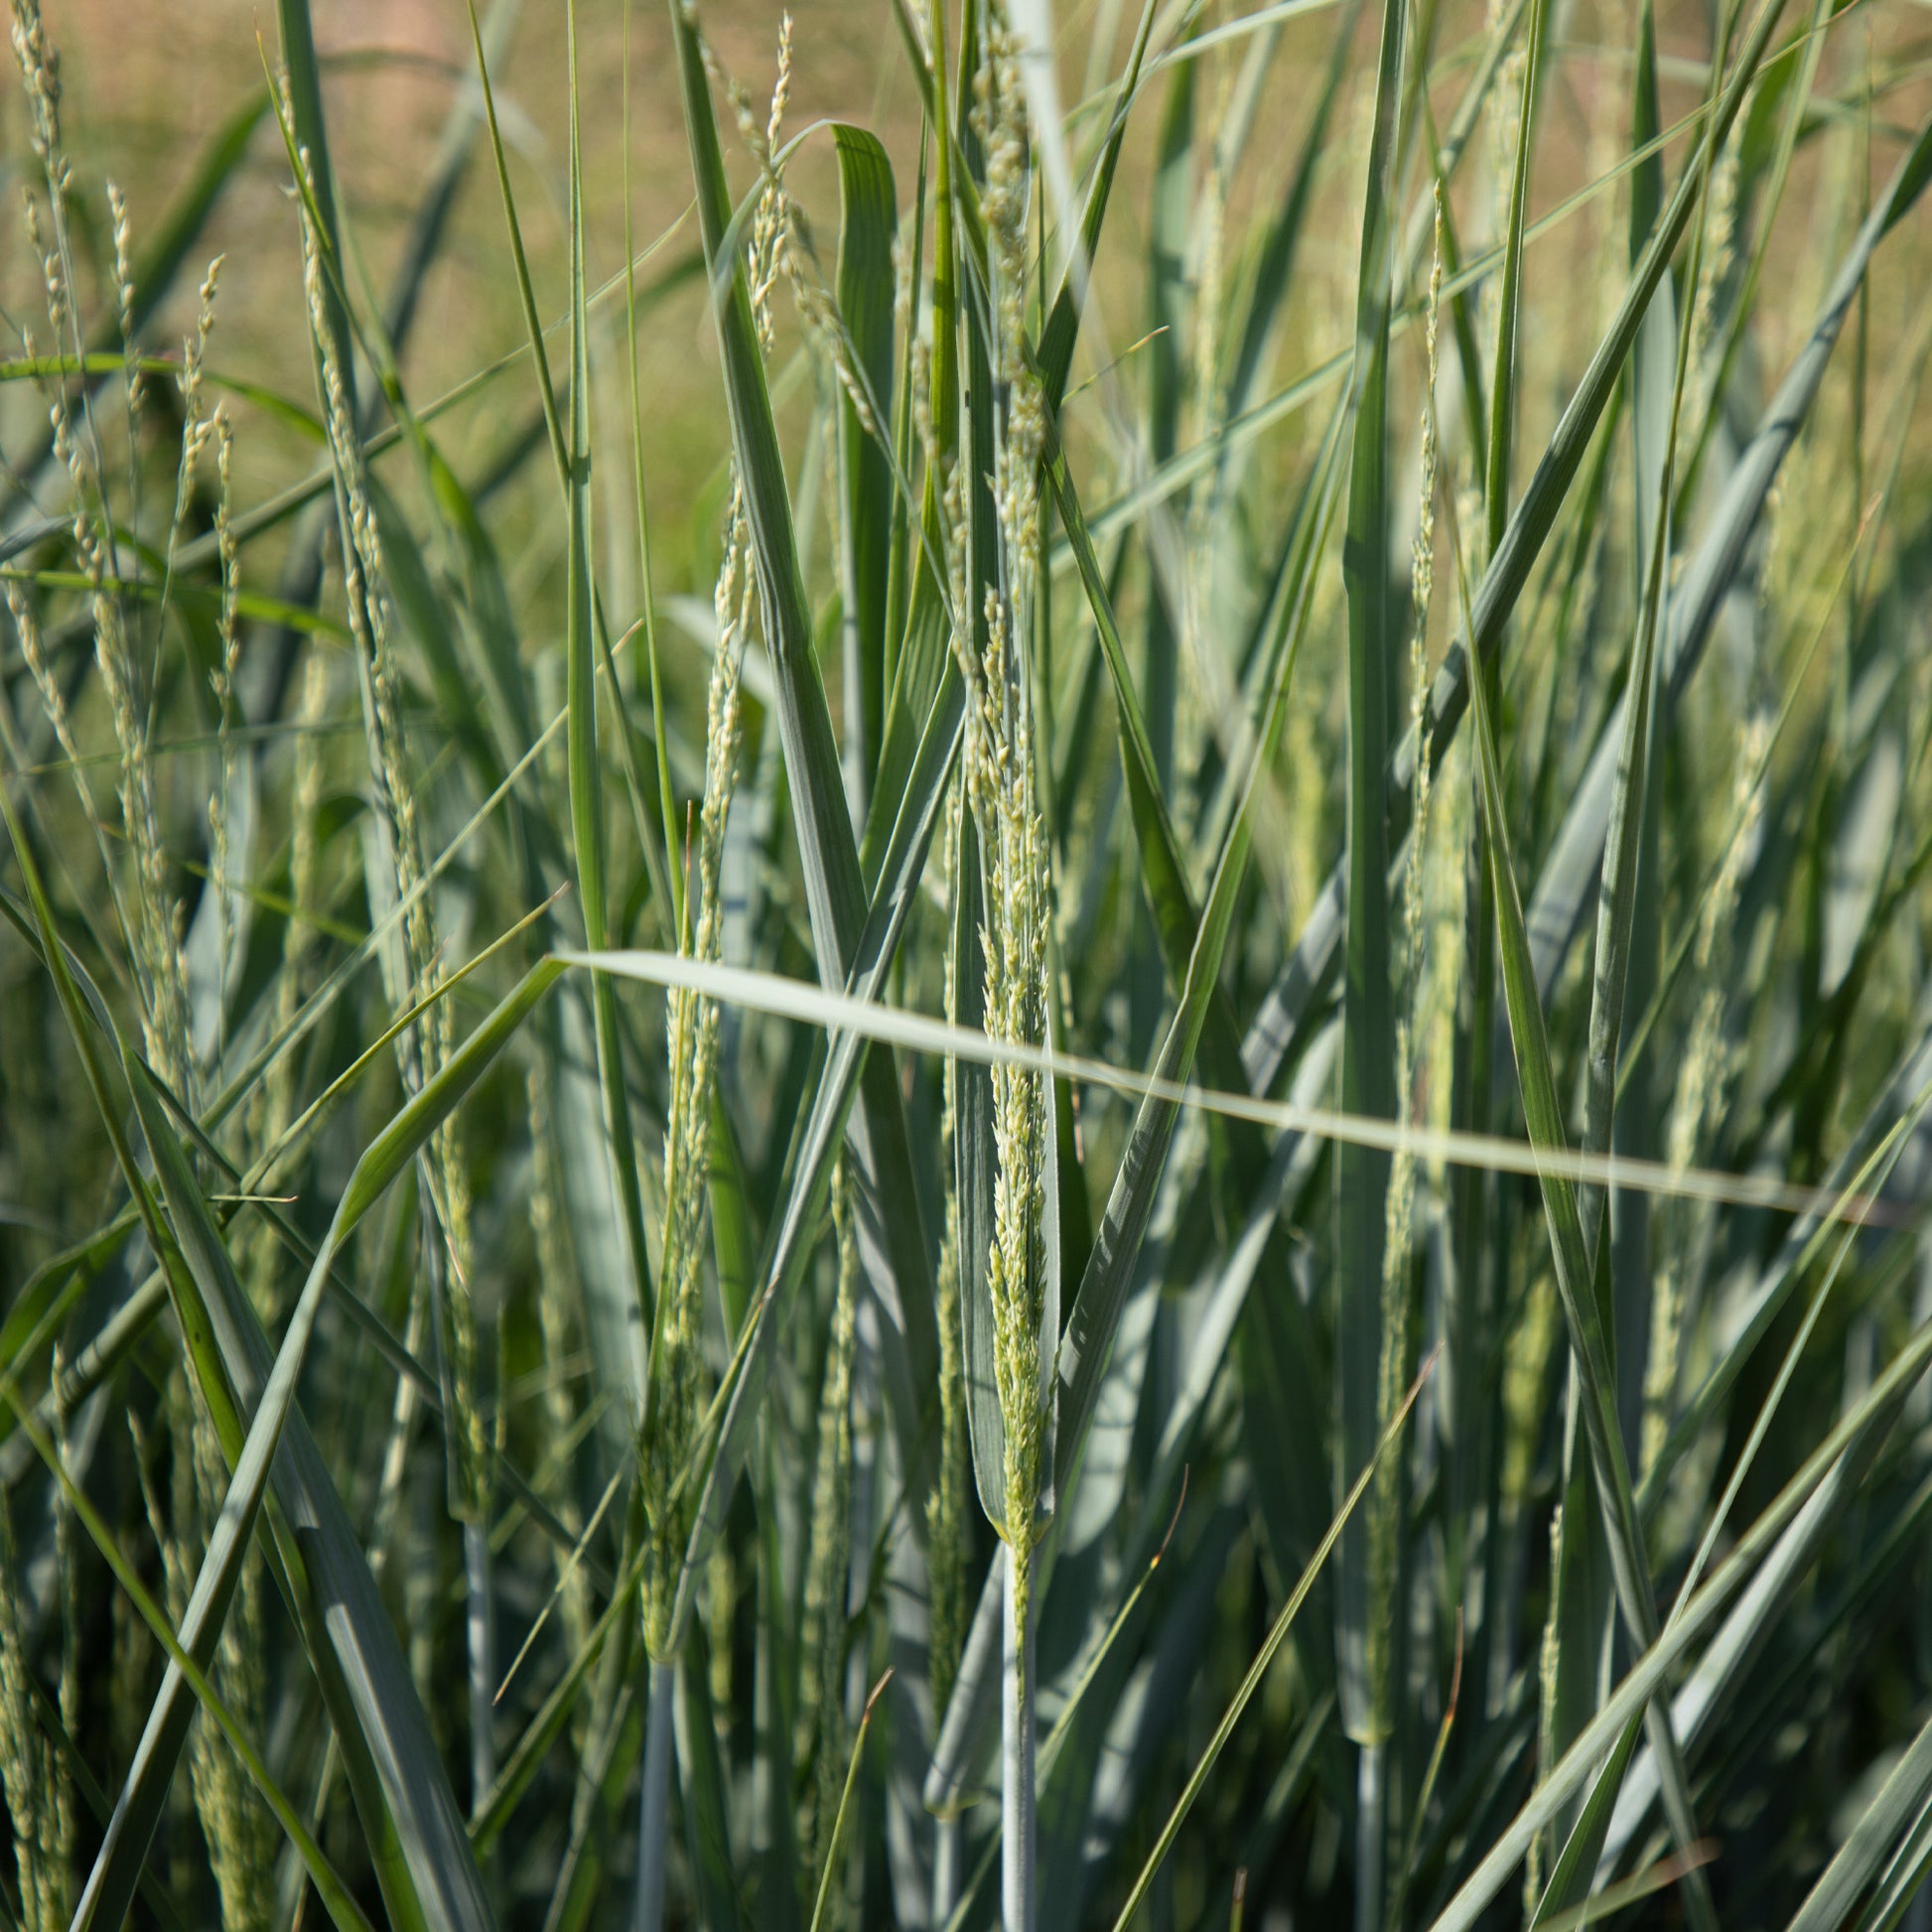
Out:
{"x": 1132, "y": 1132}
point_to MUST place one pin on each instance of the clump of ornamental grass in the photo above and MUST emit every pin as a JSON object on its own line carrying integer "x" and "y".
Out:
{"x": 1065, "y": 689}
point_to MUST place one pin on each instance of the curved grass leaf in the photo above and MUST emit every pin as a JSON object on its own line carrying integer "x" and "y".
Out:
{"x": 1891, "y": 1817}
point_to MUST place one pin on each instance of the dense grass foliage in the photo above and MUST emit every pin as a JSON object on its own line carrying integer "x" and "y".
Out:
{"x": 1152, "y": 1149}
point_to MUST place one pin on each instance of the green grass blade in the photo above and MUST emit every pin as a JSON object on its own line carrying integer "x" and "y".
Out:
{"x": 1630, "y": 925}
{"x": 1274, "y": 270}
{"x": 1712, "y": 1684}
{"x": 1163, "y": 865}
{"x": 867, "y": 222}
{"x": 794, "y": 1226}
{"x": 586, "y": 783}
{"x": 1501, "y": 438}
{"x": 1582, "y": 1618}
{"x": 707, "y": 1819}
{"x": 1096, "y": 1307}
{"x": 449, "y": 1888}
{"x": 309, "y": 130}
{"x": 1060, "y": 336}
{"x": 842, "y": 1823}
{"x": 335, "y": 1893}
{"x": 1655, "y": 406}
{"x": 123, "y": 1856}
{"x": 832, "y": 882}
{"x": 401, "y": 1788}
{"x": 431, "y": 1864}
{"x": 526, "y": 295}
{"x": 1508, "y": 571}
{"x": 1901, "y": 1879}
{"x": 1367, "y": 1082}
{"x": 167, "y": 250}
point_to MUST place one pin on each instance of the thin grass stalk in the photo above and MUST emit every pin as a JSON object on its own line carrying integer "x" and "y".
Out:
{"x": 946, "y": 1524}
{"x": 1368, "y": 1046}
{"x": 818, "y": 1730}
{"x": 1002, "y": 790}
{"x": 38, "y": 1793}
{"x": 654, "y": 1798}
{"x": 1019, "y": 1832}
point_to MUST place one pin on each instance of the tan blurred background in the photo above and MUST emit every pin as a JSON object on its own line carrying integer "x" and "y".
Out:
{"x": 147, "y": 85}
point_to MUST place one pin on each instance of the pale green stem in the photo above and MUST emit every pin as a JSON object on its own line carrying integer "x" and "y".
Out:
{"x": 948, "y": 1866}
{"x": 1371, "y": 1821}
{"x": 480, "y": 1626}
{"x": 654, "y": 1806}
{"x": 1017, "y": 1833}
